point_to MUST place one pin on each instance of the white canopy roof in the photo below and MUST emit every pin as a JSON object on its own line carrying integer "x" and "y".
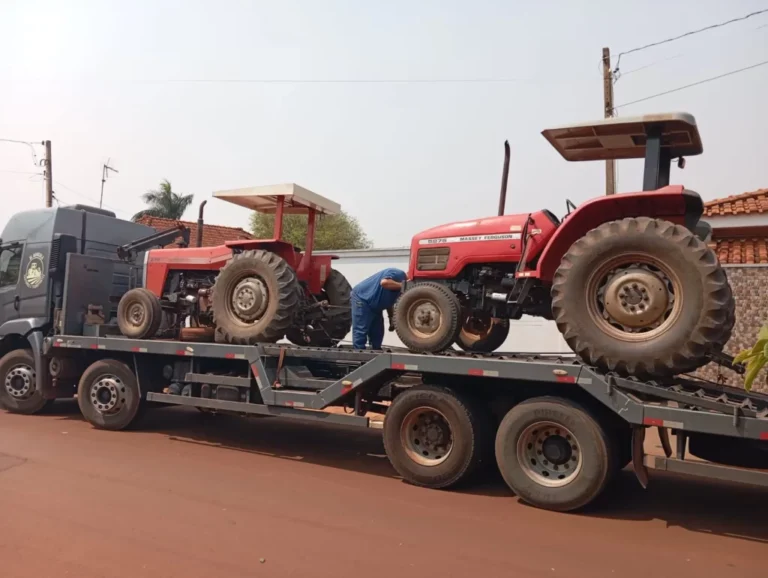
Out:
{"x": 625, "y": 137}
{"x": 264, "y": 199}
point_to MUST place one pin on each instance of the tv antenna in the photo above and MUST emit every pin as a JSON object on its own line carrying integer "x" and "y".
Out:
{"x": 104, "y": 174}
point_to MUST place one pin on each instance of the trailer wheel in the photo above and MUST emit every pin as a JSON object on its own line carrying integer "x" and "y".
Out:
{"x": 427, "y": 317}
{"x": 642, "y": 297}
{"x": 18, "y": 383}
{"x": 108, "y": 395}
{"x": 553, "y": 454}
{"x": 139, "y": 314}
{"x": 435, "y": 438}
{"x": 255, "y": 298}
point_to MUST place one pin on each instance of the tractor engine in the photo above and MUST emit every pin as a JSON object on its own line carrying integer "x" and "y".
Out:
{"x": 188, "y": 294}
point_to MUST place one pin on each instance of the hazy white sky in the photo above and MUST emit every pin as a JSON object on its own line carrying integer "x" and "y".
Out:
{"x": 137, "y": 81}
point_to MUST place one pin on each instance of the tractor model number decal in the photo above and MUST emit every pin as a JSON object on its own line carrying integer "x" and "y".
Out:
{"x": 34, "y": 275}
{"x": 471, "y": 239}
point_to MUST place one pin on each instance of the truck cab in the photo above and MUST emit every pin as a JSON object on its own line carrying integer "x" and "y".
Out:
{"x": 33, "y": 253}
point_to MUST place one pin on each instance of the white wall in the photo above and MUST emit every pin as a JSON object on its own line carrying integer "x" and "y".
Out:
{"x": 529, "y": 334}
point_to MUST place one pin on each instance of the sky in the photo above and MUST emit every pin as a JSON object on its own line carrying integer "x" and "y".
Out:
{"x": 397, "y": 110}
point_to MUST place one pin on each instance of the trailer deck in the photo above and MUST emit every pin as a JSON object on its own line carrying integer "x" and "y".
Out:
{"x": 298, "y": 382}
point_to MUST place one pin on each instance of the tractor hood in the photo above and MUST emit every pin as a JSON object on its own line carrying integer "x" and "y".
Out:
{"x": 489, "y": 228}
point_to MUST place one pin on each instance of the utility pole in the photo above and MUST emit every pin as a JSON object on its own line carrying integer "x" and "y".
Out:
{"x": 104, "y": 173}
{"x": 610, "y": 165}
{"x": 48, "y": 175}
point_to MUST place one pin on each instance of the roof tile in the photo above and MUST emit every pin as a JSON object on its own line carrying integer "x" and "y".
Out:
{"x": 744, "y": 204}
{"x": 741, "y": 251}
{"x": 213, "y": 235}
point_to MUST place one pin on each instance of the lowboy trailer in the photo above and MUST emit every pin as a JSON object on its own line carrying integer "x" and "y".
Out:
{"x": 557, "y": 429}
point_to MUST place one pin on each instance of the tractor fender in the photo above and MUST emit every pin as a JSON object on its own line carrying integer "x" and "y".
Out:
{"x": 673, "y": 203}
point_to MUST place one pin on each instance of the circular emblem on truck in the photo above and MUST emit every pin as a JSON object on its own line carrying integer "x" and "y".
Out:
{"x": 34, "y": 275}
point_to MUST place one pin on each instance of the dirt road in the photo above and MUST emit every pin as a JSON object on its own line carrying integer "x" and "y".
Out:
{"x": 192, "y": 495}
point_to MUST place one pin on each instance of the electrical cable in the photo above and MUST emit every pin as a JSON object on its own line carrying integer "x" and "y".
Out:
{"x": 690, "y": 33}
{"x": 679, "y": 88}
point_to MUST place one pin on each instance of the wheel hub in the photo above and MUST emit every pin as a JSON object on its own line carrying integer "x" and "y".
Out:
{"x": 20, "y": 381}
{"x": 636, "y": 298}
{"x": 426, "y": 436}
{"x": 549, "y": 454}
{"x": 424, "y": 318}
{"x": 136, "y": 314}
{"x": 108, "y": 394}
{"x": 249, "y": 299}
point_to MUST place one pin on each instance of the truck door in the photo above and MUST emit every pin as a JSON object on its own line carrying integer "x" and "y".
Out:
{"x": 10, "y": 268}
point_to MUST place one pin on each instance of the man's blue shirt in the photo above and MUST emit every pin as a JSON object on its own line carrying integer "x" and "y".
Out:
{"x": 374, "y": 295}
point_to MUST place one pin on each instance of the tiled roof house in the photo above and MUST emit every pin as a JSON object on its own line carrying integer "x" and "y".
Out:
{"x": 740, "y": 239}
{"x": 213, "y": 235}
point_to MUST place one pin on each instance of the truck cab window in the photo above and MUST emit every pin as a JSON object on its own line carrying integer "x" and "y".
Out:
{"x": 10, "y": 264}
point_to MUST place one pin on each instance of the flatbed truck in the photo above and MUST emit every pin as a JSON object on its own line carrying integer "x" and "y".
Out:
{"x": 557, "y": 429}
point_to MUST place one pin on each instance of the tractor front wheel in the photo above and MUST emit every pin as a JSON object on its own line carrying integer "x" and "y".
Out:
{"x": 427, "y": 317}
{"x": 326, "y": 332}
{"x": 139, "y": 314}
{"x": 482, "y": 333}
{"x": 642, "y": 297}
{"x": 255, "y": 298}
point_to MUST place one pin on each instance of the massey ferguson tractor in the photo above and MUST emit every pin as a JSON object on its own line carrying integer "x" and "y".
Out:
{"x": 242, "y": 292}
{"x": 628, "y": 278}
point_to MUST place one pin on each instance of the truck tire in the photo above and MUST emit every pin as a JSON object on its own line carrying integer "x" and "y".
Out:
{"x": 642, "y": 297}
{"x": 18, "y": 383}
{"x": 427, "y": 317}
{"x": 436, "y": 438}
{"x": 327, "y": 333}
{"x": 108, "y": 395}
{"x": 553, "y": 454}
{"x": 255, "y": 298}
{"x": 483, "y": 338}
{"x": 139, "y": 314}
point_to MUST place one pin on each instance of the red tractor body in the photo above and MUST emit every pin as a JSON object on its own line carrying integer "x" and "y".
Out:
{"x": 249, "y": 290}
{"x": 628, "y": 278}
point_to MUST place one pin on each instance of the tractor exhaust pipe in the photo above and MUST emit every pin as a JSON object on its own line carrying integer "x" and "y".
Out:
{"x": 504, "y": 180}
{"x": 199, "y": 241}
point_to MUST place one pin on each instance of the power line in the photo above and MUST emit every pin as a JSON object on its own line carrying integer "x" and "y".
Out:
{"x": 679, "y": 88}
{"x": 86, "y": 197}
{"x": 349, "y": 81}
{"x": 20, "y": 172}
{"x": 29, "y": 144}
{"x": 690, "y": 33}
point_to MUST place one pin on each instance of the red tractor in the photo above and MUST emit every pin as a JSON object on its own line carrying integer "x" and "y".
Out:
{"x": 629, "y": 278}
{"x": 244, "y": 292}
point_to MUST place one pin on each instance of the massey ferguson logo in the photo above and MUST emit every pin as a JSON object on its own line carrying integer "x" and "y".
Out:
{"x": 471, "y": 239}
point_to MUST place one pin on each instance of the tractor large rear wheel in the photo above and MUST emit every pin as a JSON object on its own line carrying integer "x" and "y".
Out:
{"x": 254, "y": 298}
{"x": 328, "y": 331}
{"x": 642, "y": 297}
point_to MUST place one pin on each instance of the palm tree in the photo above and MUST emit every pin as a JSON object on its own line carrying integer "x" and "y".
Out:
{"x": 163, "y": 202}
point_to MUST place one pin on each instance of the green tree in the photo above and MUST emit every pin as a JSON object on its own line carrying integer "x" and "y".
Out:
{"x": 163, "y": 202}
{"x": 332, "y": 232}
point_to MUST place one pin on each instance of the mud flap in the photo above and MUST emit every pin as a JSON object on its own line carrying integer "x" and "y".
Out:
{"x": 638, "y": 438}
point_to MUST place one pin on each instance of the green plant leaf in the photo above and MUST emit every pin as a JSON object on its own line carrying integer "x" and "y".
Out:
{"x": 743, "y": 356}
{"x": 753, "y": 368}
{"x": 763, "y": 333}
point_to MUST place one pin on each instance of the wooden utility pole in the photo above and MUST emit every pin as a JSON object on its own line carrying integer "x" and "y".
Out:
{"x": 610, "y": 165}
{"x": 48, "y": 175}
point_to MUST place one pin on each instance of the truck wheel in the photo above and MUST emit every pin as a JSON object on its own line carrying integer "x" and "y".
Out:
{"x": 553, "y": 454}
{"x": 434, "y": 438}
{"x": 427, "y": 317}
{"x": 483, "y": 333}
{"x": 642, "y": 297}
{"x": 255, "y": 298}
{"x": 108, "y": 395}
{"x": 18, "y": 383}
{"x": 327, "y": 332}
{"x": 139, "y": 314}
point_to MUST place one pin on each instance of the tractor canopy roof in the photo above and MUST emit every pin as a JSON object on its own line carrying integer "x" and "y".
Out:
{"x": 626, "y": 138}
{"x": 298, "y": 200}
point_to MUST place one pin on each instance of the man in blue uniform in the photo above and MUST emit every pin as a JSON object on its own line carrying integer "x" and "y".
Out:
{"x": 369, "y": 300}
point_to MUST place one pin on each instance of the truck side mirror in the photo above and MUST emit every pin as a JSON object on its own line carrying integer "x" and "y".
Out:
{"x": 62, "y": 245}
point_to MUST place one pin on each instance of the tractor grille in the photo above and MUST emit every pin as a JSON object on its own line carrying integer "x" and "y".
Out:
{"x": 434, "y": 259}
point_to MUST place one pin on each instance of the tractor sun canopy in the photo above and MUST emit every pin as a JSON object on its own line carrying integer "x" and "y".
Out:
{"x": 657, "y": 138}
{"x": 296, "y": 200}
